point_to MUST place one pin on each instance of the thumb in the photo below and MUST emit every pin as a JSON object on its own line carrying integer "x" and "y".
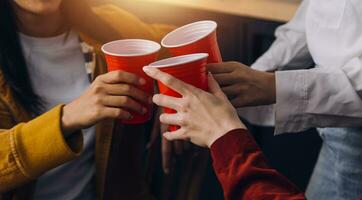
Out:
{"x": 214, "y": 87}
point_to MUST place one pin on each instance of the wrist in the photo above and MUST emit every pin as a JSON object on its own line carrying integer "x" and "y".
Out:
{"x": 224, "y": 129}
{"x": 270, "y": 86}
{"x": 67, "y": 125}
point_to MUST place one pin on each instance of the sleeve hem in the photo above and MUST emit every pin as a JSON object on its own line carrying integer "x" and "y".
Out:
{"x": 291, "y": 96}
{"x": 232, "y": 143}
{"x": 18, "y": 159}
{"x": 39, "y": 145}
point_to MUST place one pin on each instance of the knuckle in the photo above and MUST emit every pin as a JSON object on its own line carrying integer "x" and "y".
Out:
{"x": 119, "y": 75}
{"x": 127, "y": 89}
{"x": 183, "y": 121}
{"x": 97, "y": 100}
{"x": 118, "y": 113}
{"x": 193, "y": 94}
{"x": 168, "y": 80}
{"x": 185, "y": 106}
{"x": 125, "y": 100}
{"x": 98, "y": 78}
{"x": 187, "y": 99}
{"x": 97, "y": 111}
{"x": 98, "y": 88}
{"x": 198, "y": 93}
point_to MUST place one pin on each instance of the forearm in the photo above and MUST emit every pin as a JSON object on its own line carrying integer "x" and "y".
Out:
{"x": 321, "y": 97}
{"x": 29, "y": 149}
{"x": 288, "y": 51}
{"x": 243, "y": 170}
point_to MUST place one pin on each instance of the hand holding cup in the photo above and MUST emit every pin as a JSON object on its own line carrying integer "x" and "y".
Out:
{"x": 111, "y": 95}
{"x": 202, "y": 116}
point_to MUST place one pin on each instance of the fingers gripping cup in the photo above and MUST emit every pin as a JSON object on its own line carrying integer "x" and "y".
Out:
{"x": 189, "y": 68}
{"x": 198, "y": 37}
{"x": 132, "y": 55}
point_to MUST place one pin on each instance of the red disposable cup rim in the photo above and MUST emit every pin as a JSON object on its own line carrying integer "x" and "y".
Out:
{"x": 178, "y": 60}
{"x": 206, "y": 26}
{"x": 131, "y": 47}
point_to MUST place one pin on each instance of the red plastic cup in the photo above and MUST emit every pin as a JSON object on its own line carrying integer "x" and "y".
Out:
{"x": 188, "y": 68}
{"x": 132, "y": 55}
{"x": 198, "y": 37}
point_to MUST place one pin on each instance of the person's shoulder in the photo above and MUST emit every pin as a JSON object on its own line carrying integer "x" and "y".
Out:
{"x": 109, "y": 10}
{"x": 116, "y": 18}
{"x": 126, "y": 23}
{"x": 130, "y": 25}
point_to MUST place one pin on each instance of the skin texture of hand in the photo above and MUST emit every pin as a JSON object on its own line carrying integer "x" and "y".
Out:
{"x": 244, "y": 86}
{"x": 202, "y": 116}
{"x": 110, "y": 96}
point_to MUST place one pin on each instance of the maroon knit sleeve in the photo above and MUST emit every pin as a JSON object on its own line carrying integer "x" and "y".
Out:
{"x": 244, "y": 173}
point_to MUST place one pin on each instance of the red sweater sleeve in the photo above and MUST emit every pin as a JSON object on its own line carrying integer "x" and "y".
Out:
{"x": 244, "y": 173}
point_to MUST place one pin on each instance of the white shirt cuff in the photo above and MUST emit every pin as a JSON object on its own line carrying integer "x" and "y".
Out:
{"x": 291, "y": 101}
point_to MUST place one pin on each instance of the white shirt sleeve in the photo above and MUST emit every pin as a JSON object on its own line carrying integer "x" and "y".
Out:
{"x": 319, "y": 97}
{"x": 289, "y": 51}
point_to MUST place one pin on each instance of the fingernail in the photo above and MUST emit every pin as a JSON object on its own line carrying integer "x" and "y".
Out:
{"x": 146, "y": 69}
{"x": 142, "y": 81}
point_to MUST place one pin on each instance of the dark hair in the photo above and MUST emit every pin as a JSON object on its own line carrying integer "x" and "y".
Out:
{"x": 12, "y": 61}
